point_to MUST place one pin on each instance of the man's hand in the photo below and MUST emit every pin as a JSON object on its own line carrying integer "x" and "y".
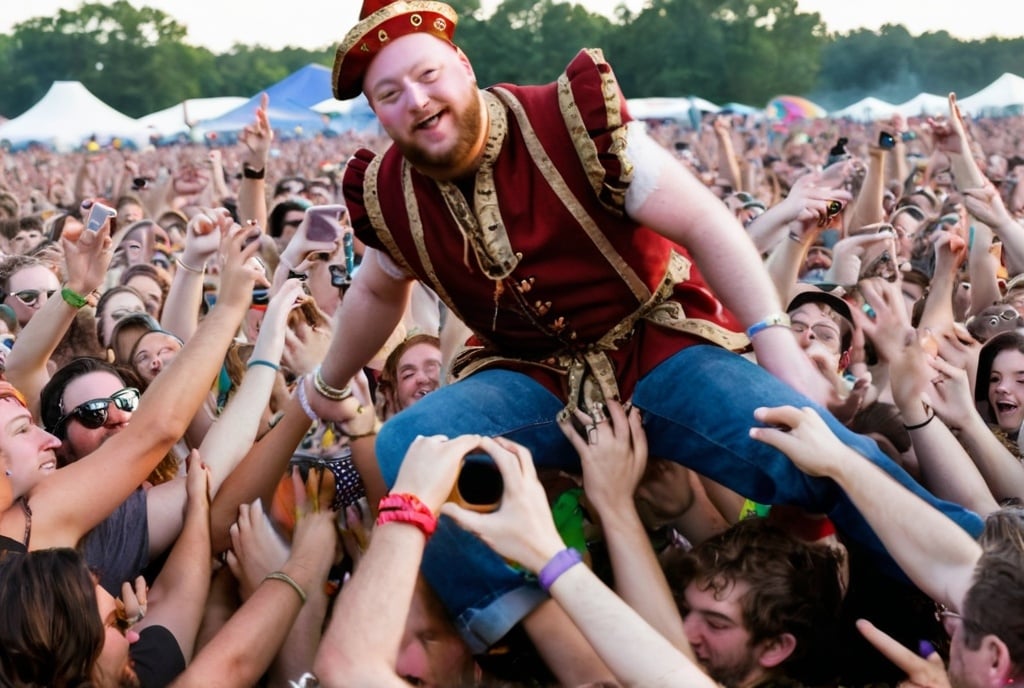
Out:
{"x": 613, "y": 455}
{"x": 801, "y": 435}
{"x": 921, "y": 672}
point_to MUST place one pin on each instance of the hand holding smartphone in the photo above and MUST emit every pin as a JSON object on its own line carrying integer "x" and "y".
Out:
{"x": 99, "y": 214}
{"x": 322, "y": 223}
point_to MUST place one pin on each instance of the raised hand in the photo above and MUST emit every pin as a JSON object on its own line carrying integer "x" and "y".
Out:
{"x": 87, "y": 254}
{"x": 922, "y": 672}
{"x": 203, "y": 236}
{"x": 257, "y": 137}
{"x": 256, "y": 549}
{"x": 613, "y": 455}
{"x": 802, "y": 435}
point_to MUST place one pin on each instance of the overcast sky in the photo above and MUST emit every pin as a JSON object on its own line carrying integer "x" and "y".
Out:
{"x": 217, "y": 24}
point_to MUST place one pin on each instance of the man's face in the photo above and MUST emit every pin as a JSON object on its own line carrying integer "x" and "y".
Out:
{"x": 714, "y": 626}
{"x": 819, "y": 335}
{"x": 80, "y": 441}
{"x": 29, "y": 288}
{"x": 967, "y": 668}
{"x": 818, "y": 258}
{"x": 431, "y": 652}
{"x": 419, "y": 373}
{"x": 424, "y": 94}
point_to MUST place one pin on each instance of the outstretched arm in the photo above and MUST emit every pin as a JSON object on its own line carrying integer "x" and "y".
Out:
{"x": 935, "y": 553}
{"x": 613, "y": 464}
{"x": 77, "y": 497}
{"x": 87, "y": 256}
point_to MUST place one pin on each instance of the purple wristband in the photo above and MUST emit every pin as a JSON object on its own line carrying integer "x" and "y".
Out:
{"x": 559, "y": 564}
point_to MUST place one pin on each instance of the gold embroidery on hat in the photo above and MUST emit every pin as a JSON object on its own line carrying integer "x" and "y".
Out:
{"x": 440, "y": 24}
{"x": 415, "y": 20}
{"x": 364, "y": 48}
{"x": 382, "y": 35}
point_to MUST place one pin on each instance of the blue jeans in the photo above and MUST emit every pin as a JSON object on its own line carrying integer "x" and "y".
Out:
{"x": 697, "y": 408}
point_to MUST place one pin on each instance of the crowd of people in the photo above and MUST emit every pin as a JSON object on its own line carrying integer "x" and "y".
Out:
{"x": 523, "y": 393}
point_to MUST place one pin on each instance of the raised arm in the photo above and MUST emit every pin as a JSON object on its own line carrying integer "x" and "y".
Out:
{"x": 935, "y": 553}
{"x": 255, "y": 155}
{"x": 87, "y": 255}
{"x": 203, "y": 236}
{"x": 246, "y": 645}
{"x": 376, "y": 599}
{"x": 377, "y": 300}
{"x": 613, "y": 457}
{"x": 79, "y": 496}
{"x": 177, "y": 599}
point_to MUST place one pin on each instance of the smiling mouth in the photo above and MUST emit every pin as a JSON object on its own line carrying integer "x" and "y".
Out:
{"x": 1005, "y": 407}
{"x": 430, "y": 121}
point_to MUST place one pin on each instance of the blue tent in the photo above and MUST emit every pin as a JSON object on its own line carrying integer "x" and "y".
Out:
{"x": 289, "y": 108}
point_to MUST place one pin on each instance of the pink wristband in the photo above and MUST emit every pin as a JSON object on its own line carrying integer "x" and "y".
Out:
{"x": 559, "y": 564}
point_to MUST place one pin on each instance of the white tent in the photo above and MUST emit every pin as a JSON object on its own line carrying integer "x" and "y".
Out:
{"x": 668, "y": 108}
{"x": 66, "y": 117}
{"x": 1005, "y": 93}
{"x": 866, "y": 110}
{"x": 171, "y": 121}
{"x": 924, "y": 104}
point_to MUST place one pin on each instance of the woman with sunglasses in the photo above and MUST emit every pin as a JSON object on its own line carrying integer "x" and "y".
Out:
{"x": 59, "y": 510}
{"x": 27, "y": 284}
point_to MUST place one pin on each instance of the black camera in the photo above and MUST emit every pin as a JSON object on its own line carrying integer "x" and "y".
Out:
{"x": 886, "y": 140}
{"x": 479, "y": 485}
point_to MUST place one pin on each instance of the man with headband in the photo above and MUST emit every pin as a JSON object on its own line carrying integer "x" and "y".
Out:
{"x": 551, "y": 224}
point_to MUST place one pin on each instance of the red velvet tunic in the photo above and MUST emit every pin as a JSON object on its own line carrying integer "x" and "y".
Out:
{"x": 560, "y": 287}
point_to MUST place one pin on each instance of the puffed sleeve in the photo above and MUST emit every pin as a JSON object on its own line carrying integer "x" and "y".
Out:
{"x": 352, "y": 185}
{"x": 595, "y": 114}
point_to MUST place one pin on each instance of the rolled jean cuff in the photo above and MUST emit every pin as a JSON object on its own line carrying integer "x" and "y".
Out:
{"x": 482, "y": 628}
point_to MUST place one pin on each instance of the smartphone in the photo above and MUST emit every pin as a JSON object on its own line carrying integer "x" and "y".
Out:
{"x": 98, "y": 214}
{"x": 480, "y": 485}
{"x": 886, "y": 140}
{"x": 322, "y": 222}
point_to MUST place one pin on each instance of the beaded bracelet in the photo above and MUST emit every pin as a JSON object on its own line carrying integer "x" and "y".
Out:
{"x": 558, "y": 564}
{"x": 262, "y": 362}
{"x": 285, "y": 578}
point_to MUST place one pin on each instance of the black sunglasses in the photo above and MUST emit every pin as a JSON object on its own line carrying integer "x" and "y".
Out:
{"x": 30, "y": 297}
{"x": 93, "y": 413}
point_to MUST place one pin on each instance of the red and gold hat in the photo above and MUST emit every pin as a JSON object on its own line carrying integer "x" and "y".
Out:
{"x": 381, "y": 21}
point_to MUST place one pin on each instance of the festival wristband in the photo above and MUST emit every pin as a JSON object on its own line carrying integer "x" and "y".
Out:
{"x": 773, "y": 320}
{"x": 559, "y": 564}
{"x": 72, "y": 297}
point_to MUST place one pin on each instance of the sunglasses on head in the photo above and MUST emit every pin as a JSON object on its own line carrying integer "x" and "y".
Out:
{"x": 93, "y": 413}
{"x": 30, "y": 297}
